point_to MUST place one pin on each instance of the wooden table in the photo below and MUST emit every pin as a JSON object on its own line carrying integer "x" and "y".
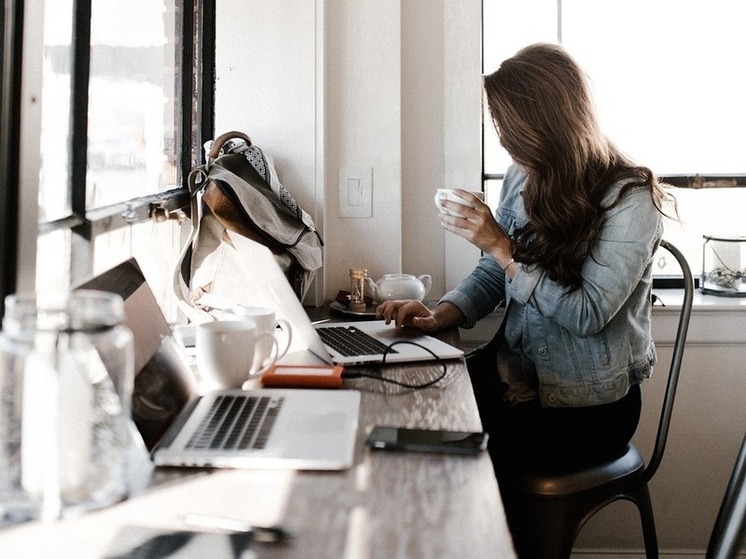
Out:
{"x": 388, "y": 505}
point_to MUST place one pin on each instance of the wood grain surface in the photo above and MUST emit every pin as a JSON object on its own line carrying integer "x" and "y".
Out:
{"x": 388, "y": 505}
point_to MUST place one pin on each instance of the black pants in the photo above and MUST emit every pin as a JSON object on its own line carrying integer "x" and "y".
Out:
{"x": 530, "y": 438}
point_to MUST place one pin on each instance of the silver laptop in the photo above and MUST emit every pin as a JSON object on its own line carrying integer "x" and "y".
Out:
{"x": 264, "y": 428}
{"x": 270, "y": 288}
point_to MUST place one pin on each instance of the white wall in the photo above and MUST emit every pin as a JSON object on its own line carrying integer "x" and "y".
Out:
{"x": 385, "y": 87}
{"x": 270, "y": 85}
{"x": 30, "y": 159}
{"x": 363, "y": 131}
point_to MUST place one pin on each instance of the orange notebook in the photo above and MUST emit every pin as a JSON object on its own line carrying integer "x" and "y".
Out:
{"x": 304, "y": 376}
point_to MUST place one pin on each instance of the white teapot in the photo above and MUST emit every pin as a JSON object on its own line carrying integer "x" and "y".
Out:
{"x": 399, "y": 286}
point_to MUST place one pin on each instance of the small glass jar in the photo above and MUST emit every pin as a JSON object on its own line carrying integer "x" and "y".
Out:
{"x": 66, "y": 379}
{"x": 724, "y": 266}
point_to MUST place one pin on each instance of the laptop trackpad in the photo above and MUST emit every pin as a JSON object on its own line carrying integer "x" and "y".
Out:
{"x": 331, "y": 422}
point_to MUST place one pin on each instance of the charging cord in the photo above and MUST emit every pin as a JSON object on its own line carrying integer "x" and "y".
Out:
{"x": 403, "y": 384}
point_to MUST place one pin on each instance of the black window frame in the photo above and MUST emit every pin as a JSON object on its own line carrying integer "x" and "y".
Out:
{"x": 197, "y": 36}
{"x": 11, "y": 40}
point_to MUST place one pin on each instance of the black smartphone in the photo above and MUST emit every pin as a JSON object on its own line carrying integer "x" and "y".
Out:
{"x": 427, "y": 440}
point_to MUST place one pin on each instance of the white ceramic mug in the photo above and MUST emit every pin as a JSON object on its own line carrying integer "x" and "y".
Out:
{"x": 226, "y": 350}
{"x": 267, "y": 323}
{"x": 451, "y": 195}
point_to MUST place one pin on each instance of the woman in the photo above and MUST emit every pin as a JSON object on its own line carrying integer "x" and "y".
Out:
{"x": 570, "y": 252}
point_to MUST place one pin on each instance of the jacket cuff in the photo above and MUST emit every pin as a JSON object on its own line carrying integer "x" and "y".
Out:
{"x": 523, "y": 284}
{"x": 465, "y": 305}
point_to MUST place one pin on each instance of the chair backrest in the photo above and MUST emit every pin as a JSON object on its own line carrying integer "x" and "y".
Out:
{"x": 676, "y": 359}
{"x": 730, "y": 526}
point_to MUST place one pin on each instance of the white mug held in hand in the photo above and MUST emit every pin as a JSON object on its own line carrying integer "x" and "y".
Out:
{"x": 452, "y": 196}
{"x": 226, "y": 350}
{"x": 266, "y": 322}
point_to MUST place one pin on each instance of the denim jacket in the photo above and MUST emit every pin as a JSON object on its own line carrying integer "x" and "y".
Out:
{"x": 588, "y": 345}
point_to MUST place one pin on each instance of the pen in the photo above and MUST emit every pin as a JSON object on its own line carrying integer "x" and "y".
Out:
{"x": 261, "y": 534}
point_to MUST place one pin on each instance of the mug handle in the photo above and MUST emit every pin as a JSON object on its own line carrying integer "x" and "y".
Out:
{"x": 285, "y": 326}
{"x": 271, "y": 359}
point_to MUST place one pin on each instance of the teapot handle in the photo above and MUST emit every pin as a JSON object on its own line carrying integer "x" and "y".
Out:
{"x": 427, "y": 281}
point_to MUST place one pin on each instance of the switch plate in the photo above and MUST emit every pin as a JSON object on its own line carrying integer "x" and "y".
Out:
{"x": 355, "y": 192}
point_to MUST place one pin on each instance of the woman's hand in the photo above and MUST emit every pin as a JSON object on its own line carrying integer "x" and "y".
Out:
{"x": 477, "y": 225}
{"x": 412, "y": 313}
{"x": 407, "y": 313}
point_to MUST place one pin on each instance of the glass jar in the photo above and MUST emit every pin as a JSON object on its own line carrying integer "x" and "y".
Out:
{"x": 724, "y": 266}
{"x": 66, "y": 379}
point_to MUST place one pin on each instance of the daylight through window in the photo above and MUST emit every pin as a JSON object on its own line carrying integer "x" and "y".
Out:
{"x": 668, "y": 79}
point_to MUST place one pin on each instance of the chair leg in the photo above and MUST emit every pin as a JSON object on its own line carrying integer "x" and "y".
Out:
{"x": 641, "y": 498}
{"x": 547, "y": 529}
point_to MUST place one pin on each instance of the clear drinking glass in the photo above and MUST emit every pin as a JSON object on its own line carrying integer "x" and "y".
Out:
{"x": 66, "y": 378}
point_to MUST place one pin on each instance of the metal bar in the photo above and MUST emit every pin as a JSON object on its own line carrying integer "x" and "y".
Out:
{"x": 187, "y": 37}
{"x": 79, "y": 80}
{"x": 698, "y": 181}
{"x": 206, "y": 51}
{"x": 681, "y": 181}
{"x": 122, "y": 214}
{"x": 11, "y": 41}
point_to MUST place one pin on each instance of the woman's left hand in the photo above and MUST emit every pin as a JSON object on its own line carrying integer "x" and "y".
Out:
{"x": 477, "y": 225}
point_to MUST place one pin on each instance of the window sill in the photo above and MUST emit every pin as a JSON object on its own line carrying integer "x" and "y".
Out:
{"x": 715, "y": 321}
{"x": 702, "y": 302}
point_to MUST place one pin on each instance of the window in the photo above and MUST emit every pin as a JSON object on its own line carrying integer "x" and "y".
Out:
{"x": 121, "y": 126}
{"x": 132, "y": 94}
{"x": 668, "y": 81}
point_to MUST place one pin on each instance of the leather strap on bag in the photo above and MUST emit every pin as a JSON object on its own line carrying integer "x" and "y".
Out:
{"x": 218, "y": 143}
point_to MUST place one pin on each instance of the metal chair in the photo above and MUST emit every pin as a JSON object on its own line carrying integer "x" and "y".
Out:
{"x": 559, "y": 505}
{"x": 730, "y": 527}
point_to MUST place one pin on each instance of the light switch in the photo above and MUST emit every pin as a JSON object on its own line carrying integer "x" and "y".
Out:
{"x": 355, "y": 192}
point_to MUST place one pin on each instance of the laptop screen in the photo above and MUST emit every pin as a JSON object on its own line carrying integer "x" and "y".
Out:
{"x": 163, "y": 381}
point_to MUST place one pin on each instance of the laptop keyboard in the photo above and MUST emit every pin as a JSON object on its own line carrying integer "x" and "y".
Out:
{"x": 350, "y": 341}
{"x": 237, "y": 422}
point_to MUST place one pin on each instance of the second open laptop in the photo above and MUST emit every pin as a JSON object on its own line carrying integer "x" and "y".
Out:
{"x": 269, "y": 288}
{"x": 264, "y": 428}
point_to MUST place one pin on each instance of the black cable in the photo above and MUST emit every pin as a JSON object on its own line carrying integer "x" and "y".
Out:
{"x": 349, "y": 375}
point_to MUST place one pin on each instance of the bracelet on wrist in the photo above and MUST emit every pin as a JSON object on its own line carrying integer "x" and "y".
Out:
{"x": 505, "y": 268}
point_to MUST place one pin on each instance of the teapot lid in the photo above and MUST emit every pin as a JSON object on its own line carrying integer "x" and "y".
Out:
{"x": 395, "y": 275}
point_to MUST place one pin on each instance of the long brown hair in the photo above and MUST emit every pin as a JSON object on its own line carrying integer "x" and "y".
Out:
{"x": 543, "y": 111}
